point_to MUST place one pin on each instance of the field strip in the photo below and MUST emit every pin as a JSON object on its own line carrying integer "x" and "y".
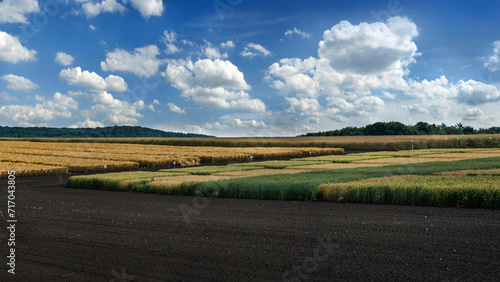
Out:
{"x": 330, "y": 166}
{"x": 257, "y": 172}
{"x": 476, "y": 154}
{"x": 25, "y": 169}
{"x": 92, "y": 157}
{"x": 374, "y": 143}
{"x": 470, "y": 172}
{"x": 411, "y": 160}
{"x": 459, "y": 190}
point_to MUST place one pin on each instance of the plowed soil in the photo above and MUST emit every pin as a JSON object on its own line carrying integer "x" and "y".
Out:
{"x": 65, "y": 234}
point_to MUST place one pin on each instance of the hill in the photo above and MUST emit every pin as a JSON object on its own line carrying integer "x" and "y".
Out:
{"x": 99, "y": 132}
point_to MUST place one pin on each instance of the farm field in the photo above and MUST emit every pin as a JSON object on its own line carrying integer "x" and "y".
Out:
{"x": 90, "y": 235}
{"x": 92, "y": 157}
{"x": 311, "y": 178}
{"x": 377, "y": 143}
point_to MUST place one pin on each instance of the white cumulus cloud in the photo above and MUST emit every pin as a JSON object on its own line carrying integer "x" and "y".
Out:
{"x": 118, "y": 112}
{"x": 252, "y": 50}
{"x": 142, "y": 61}
{"x": 293, "y": 31}
{"x": 212, "y": 83}
{"x": 75, "y": 76}
{"x": 494, "y": 63}
{"x": 175, "y": 109}
{"x": 15, "y": 11}
{"x": 474, "y": 93}
{"x": 28, "y": 115}
{"x": 370, "y": 48}
{"x": 169, "y": 38}
{"x": 248, "y": 123}
{"x": 214, "y": 53}
{"x": 228, "y": 44}
{"x": 304, "y": 105}
{"x": 19, "y": 83}
{"x": 64, "y": 59}
{"x": 148, "y": 8}
{"x": 6, "y": 96}
{"x": 93, "y": 9}
{"x": 12, "y": 51}
{"x": 87, "y": 124}
{"x": 473, "y": 114}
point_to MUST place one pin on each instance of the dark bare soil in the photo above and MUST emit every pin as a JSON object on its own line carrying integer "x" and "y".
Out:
{"x": 65, "y": 234}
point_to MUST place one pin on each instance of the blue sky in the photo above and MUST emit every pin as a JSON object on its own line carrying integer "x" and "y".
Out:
{"x": 248, "y": 68}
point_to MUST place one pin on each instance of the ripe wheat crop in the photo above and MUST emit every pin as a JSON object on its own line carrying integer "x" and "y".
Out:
{"x": 25, "y": 169}
{"x": 91, "y": 157}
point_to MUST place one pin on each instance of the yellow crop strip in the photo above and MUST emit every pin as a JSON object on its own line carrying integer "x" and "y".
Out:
{"x": 92, "y": 157}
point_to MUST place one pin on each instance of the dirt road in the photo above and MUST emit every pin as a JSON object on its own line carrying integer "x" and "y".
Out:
{"x": 65, "y": 234}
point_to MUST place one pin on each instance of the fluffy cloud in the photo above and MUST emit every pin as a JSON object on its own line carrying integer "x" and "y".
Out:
{"x": 494, "y": 63}
{"x": 27, "y": 115}
{"x": 474, "y": 93}
{"x": 303, "y": 105}
{"x": 142, "y": 61}
{"x": 15, "y": 11}
{"x": 75, "y": 76}
{"x": 118, "y": 112}
{"x": 87, "y": 124}
{"x": 219, "y": 73}
{"x": 175, "y": 109}
{"x": 252, "y": 50}
{"x": 12, "y": 51}
{"x": 92, "y": 9}
{"x": 295, "y": 75}
{"x": 248, "y": 123}
{"x": 370, "y": 48}
{"x": 416, "y": 109}
{"x": 352, "y": 60}
{"x": 293, "y": 31}
{"x": 214, "y": 53}
{"x": 64, "y": 59}
{"x": 169, "y": 38}
{"x": 473, "y": 114}
{"x": 19, "y": 83}
{"x": 6, "y": 96}
{"x": 430, "y": 90}
{"x": 148, "y": 8}
{"x": 212, "y": 83}
{"x": 228, "y": 44}
{"x": 340, "y": 109}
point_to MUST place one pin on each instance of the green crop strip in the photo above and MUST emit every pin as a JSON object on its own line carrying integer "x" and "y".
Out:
{"x": 303, "y": 186}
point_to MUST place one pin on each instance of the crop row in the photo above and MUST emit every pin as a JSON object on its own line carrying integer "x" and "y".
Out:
{"x": 144, "y": 155}
{"x": 288, "y": 184}
{"x": 25, "y": 169}
{"x": 391, "y": 143}
{"x": 72, "y": 164}
{"x": 472, "y": 190}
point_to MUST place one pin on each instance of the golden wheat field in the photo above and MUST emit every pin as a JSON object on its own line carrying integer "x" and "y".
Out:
{"x": 92, "y": 157}
{"x": 398, "y": 142}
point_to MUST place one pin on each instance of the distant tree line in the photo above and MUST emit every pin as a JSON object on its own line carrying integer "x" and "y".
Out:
{"x": 397, "y": 128}
{"x": 99, "y": 132}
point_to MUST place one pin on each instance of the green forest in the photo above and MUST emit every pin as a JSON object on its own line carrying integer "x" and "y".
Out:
{"x": 99, "y": 132}
{"x": 398, "y": 128}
